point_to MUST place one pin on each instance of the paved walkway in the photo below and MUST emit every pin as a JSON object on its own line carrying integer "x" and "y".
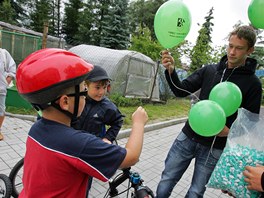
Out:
{"x": 157, "y": 141}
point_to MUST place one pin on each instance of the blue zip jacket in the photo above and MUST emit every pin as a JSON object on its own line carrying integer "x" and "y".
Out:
{"x": 97, "y": 116}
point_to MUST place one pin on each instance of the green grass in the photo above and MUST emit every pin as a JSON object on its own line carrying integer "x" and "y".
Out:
{"x": 22, "y": 111}
{"x": 174, "y": 108}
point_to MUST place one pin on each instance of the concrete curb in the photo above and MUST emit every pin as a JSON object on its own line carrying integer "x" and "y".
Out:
{"x": 22, "y": 117}
{"x": 123, "y": 133}
{"x": 126, "y": 132}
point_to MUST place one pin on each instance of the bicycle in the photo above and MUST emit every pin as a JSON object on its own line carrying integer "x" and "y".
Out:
{"x": 15, "y": 177}
{"x": 5, "y": 186}
{"x": 134, "y": 181}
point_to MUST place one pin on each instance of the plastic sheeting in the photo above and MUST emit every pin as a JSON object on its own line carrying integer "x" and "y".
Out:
{"x": 132, "y": 73}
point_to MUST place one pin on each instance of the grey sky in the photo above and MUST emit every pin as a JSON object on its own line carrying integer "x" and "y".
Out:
{"x": 226, "y": 14}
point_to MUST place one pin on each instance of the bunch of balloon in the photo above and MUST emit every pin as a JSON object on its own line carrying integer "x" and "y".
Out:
{"x": 172, "y": 23}
{"x": 256, "y": 13}
{"x": 207, "y": 117}
{"x": 228, "y": 96}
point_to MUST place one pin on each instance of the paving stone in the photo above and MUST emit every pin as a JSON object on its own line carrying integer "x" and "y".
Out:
{"x": 156, "y": 146}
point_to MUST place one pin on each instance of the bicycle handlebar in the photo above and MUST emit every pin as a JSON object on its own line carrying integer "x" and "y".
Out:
{"x": 141, "y": 191}
{"x": 117, "y": 181}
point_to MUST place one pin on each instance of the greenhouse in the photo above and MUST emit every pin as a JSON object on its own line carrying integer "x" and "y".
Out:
{"x": 133, "y": 74}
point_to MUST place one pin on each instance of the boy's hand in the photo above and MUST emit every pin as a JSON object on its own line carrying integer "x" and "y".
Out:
{"x": 140, "y": 116}
{"x": 107, "y": 141}
{"x": 167, "y": 61}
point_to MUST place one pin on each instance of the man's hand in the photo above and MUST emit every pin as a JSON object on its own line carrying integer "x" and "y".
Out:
{"x": 226, "y": 192}
{"x": 167, "y": 61}
{"x": 253, "y": 177}
{"x": 224, "y": 132}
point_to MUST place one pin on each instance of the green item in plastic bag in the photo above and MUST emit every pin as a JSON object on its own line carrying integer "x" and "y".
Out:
{"x": 245, "y": 147}
{"x": 228, "y": 173}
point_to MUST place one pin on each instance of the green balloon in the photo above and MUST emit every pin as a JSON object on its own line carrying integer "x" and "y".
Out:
{"x": 207, "y": 118}
{"x": 256, "y": 13}
{"x": 172, "y": 23}
{"x": 228, "y": 96}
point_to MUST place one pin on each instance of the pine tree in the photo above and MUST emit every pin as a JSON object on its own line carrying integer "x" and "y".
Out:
{"x": 86, "y": 23}
{"x": 200, "y": 54}
{"x": 101, "y": 11}
{"x": 142, "y": 13}
{"x": 41, "y": 13}
{"x": 71, "y": 18}
{"x": 55, "y": 26}
{"x": 115, "y": 32}
{"x": 7, "y": 12}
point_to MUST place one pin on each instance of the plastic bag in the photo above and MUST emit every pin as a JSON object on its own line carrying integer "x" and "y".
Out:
{"x": 245, "y": 146}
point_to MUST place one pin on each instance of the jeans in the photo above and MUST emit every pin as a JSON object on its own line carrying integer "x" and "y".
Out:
{"x": 178, "y": 159}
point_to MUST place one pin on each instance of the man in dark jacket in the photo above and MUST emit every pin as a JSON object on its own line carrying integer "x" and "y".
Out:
{"x": 235, "y": 67}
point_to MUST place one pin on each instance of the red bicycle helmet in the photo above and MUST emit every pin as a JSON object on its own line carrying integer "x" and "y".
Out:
{"x": 44, "y": 74}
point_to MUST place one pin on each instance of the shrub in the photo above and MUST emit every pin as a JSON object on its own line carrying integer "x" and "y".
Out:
{"x": 121, "y": 101}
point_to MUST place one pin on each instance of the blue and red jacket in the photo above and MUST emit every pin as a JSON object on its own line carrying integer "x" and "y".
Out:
{"x": 59, "y": 159}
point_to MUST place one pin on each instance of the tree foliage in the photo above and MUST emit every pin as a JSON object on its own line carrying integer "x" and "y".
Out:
{"x": 55, "y": 24}
{"x": 71, "y": 18}
{"x": 114, "y": 30}
{"x": 143, "y": 43}
{"x": 142, "y": 13}
{"x": 7, "y": 12}
{"x": 86, "y": 27}
{"x": 41, "y": 14}
{"x": 200, "y": 54}
{"x": 117, "y": 24}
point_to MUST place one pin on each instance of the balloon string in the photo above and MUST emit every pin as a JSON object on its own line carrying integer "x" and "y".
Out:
{"x": 192, "y": 94}
{"x": 210, "y": 151}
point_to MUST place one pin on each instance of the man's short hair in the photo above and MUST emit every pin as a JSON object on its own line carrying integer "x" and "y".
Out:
{"x": 246, "y": 32}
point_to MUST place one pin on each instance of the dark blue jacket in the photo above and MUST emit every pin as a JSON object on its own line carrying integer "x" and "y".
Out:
{"x": 97, "y": 116}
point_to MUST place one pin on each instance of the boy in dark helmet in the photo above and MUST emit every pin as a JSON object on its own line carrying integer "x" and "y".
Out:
{"x": 58, "y": 158}
{"x": 99, "y": 111}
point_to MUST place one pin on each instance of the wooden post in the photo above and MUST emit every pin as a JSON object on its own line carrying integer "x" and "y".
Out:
{"x": 154, "y": 82}
{"x": 45, "y": 34}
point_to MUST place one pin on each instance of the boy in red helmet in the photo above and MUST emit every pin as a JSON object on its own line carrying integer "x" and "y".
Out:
{"x": 58, "y": 158}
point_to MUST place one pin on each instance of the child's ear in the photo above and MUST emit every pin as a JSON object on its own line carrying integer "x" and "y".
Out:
{"x": 108, "y": 88}
{"x": 64, "y": 102}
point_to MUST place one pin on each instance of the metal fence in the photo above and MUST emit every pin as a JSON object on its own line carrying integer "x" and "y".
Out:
{"x": 19, "y": 45}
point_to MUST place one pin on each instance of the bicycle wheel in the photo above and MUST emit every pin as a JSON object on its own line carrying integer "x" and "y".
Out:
{"x": 15, "y": 177}
{"x": 5, "y": 186}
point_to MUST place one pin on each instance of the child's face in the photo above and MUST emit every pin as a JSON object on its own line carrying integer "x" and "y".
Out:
{"x": 97, "y": 90}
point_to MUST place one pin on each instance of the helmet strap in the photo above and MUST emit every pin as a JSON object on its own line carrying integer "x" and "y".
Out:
{"x": 57, "y": 106}
{"x": 76, "y": 101}
{"x": 73, "y": 115}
